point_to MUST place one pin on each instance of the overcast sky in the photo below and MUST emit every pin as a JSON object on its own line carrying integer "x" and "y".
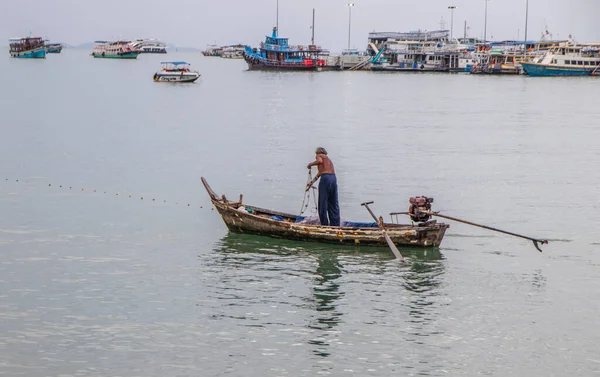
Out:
{"x": 196, "y": 23}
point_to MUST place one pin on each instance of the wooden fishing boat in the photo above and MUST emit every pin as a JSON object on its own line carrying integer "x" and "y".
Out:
{"x": 243, "y": 218}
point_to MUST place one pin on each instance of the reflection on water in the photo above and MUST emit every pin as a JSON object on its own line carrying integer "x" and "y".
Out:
{"x": 423, "y": 278}
{"x": 326, "y": 291}
{"x": 323, "y": 265}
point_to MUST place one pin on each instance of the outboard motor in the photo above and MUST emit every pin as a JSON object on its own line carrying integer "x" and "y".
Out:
{"x": 418, "y": 204}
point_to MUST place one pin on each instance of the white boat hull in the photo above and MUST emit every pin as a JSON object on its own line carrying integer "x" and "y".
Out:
{"x": 176, "y": 76}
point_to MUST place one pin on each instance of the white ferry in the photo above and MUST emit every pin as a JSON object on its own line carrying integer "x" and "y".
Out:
{"x": 566, "y": 60}
{"x": 149, "y": 46}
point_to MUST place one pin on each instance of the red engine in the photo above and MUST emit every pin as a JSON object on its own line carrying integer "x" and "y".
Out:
{"x": 419, "y": 206}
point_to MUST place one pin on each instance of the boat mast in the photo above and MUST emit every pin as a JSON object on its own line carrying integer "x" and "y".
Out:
{"x": 312, "y": 41}
{"x": 465, "y": 36}
{"x": 277, "y": 18}
{"x": 485, "y": 24}
{"x": 526, "y": 19}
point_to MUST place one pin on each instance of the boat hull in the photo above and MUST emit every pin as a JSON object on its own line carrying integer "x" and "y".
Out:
{"x": 187, "y": 77}
{"x": 261, "y": 222}
{"x": 53, "y": 49}
{"x": 407, "y": 69}
{"x": 543, "y": 70}
{"x": 408, "y": 235}
{"x": 260, "y": 64}
{"x": 127, "y": 55}
{"x": 36, "y": 53}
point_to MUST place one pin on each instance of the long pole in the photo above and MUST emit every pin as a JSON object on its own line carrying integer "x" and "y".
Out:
{"x": 526, "y": 19}
{"x": 313, "y": 29}
{"x": 465, "y": 36}
{"x": 277, "y": 18}
{"x": 349, "y": 5}
{"x": 452, "y": 7}
{"x": 536, "y": 241}
{"x": 485, "y": 25}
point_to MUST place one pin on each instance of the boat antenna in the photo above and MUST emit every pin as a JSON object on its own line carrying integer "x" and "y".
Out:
{"x": 313, "y": 29}
{"x": 277, "y": 18}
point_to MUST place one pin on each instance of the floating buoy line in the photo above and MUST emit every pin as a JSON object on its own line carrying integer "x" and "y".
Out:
{"x": 108, "y": 193}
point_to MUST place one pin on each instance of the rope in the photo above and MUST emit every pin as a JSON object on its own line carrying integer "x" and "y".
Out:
{"x": 306, "y": 200}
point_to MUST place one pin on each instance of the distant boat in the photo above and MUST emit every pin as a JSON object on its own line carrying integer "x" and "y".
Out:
{"x": 499, "y": 62}
{"x": 27, "y": 48}
{"x": 114, "y": 50}
{"x": 233, "y": 52}
{"x": 213, "y": 50}
{"x": 566, "y": 60}
{"x": 275, "y": 53}
{"x": 149, "y": 46}
{"x": 53, "y": 48}
{"x": 176, "y": 72}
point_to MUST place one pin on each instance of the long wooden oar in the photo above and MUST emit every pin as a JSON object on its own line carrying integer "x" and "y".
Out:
{"x": 535, "y": 241}
{"x": 385, "y": 235}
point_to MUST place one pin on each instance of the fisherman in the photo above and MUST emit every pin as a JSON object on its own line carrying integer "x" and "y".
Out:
{"x": 329, "y": 208}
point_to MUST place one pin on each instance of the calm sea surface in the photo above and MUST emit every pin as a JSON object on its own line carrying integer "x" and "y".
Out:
{"x": 94, "y": 282}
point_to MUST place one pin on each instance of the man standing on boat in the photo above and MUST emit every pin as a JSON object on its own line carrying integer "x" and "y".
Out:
{"x": 329, "y": 207}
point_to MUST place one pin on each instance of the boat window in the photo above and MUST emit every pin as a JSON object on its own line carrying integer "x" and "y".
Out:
{"x": 553, "y": 61}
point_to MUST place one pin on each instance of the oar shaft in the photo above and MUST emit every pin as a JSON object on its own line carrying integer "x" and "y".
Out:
{"x": 387, "y": 238}
{"x": 372, "y": 214}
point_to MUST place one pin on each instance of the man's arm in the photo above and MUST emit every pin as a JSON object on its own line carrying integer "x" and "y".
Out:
{"x": 308, "y": 186}
{"x": 316, "y": 162}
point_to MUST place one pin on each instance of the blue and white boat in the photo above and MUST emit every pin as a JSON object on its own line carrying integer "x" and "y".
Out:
{"x": 275, "y": 53}
{"x": 27, "y": 48}
{"x": 565, "y": 60}
{"x": 176, "y": 72}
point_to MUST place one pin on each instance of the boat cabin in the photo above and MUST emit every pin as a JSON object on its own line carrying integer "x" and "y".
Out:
{"x": 175, "y": 66}
{"x": 276, "y": 48}
{"x": 581, "y": 56}
{"x": 25, "y": 44}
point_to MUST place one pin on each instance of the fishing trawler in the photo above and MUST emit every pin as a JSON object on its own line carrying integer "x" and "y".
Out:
{"x": 27, "y": 48}
{"x": 149, "y": 46}
{"x": 114, "y": 50}
{"x": 566, "y": 60}
{"x": 275, "y": 53}
{"x": 499, "y": 62}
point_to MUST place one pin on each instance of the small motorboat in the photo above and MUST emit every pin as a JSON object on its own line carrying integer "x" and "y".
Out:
{"x": 176, "y": 72}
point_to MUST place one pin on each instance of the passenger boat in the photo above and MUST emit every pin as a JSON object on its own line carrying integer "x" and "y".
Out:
{"x": 176, "y": 72}
{"x": 149, "y": 46}
{"x": 27, "y": 48}
{"x": 275, "y": 53}
{"x": 242, "y": 218}
{"x": 421, "y": 62}
{"x": 213, "y": 50}
{"x": 53, "y": 48}
{"x": 428, "y": 51}
{"x": 114, "y": 50}
{"x": 566, "y": 60}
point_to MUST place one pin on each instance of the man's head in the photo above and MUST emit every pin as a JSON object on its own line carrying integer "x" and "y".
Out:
{"x": 321, "y": 150}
